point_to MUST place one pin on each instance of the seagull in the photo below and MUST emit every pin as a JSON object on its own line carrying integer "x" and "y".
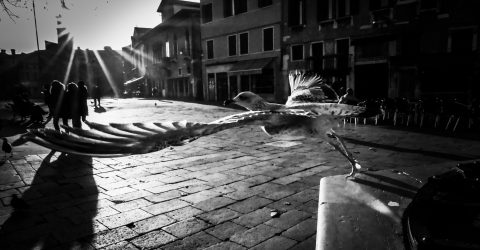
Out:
{"x": 306, "y": 114}
{"x": 6, "y": 148}
{"x": 310, "y": 94}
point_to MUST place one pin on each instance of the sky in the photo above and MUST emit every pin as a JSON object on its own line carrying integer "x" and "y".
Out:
{"x": 92, "y": 23}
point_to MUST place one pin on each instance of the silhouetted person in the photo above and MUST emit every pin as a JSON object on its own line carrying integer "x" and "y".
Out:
{"x": 47, "y": 98}
{"x": 82, "y": 100}
{"x": 348, "y": 98}
{"x": 7, "y": 148}
{"x": 72, "y": 105}
{"x": 97, "y": 94}
{"x": 57, "y": 95}
{"x": 62, "y": 217}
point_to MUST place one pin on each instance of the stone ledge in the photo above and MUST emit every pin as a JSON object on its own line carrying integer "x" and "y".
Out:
{"x": 366, "y": 212}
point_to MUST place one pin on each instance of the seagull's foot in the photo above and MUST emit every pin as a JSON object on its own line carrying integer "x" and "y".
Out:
{"x": 355, "y": 169}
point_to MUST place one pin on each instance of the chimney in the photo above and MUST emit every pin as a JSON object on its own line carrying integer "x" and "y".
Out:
{"x": 13, "y": 52}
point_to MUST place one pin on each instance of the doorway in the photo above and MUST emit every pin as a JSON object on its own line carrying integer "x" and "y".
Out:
{"x": 371, "y": 80}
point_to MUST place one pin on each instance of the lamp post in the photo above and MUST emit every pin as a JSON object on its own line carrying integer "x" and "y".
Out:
{"x": 38, "y": 46}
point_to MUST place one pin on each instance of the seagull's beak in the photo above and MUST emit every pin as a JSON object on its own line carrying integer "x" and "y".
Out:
{"x": 228, "y": 102}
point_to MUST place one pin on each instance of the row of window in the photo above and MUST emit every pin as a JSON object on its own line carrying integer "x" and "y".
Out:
{"x": 331, "y": 9}
{"x": 297, "y": 52}
{"x": 459, "y": 41}
{"x": 230, "y": 8}
{"x": 242, "y": 46}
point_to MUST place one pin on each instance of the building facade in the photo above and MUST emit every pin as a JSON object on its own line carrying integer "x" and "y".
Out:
{"x": 241, "y": 48}
{"x": 169, "y": 55}
{"x": 386, "y": 48}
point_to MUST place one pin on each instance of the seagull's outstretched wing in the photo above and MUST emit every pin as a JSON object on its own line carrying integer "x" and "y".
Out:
{"x": 138, "y": 138}
{"x": 309, "y": 89}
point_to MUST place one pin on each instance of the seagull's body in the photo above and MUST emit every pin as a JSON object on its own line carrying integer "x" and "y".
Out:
{"x": 311, "y": 95}
{"x": 305, "y": 114}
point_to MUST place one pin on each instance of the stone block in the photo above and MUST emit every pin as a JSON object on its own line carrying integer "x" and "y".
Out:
{"x": 225, "y": 230}
{"x": 254, "y": 235}
{"x": 186, "y": 227}
{"x": 219, "y": 216}
{"x": 153, "y": 239}
{"x": 275, "y": 243}
{"x": 166, "y": 206}
{"x": 288, "y": 219}
{"x": 184, "y": 213}
{"x": 250, "y": 204}
{"x": 152, "y": 223}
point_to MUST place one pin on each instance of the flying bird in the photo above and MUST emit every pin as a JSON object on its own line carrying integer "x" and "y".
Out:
{"x": 310, "y": 94}
{"x": 305, "y": 114}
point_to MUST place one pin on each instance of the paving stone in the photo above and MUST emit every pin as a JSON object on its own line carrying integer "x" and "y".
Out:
{"x": 166, "y": 206}
{"x": 242, "y": 194}
{"x": 165, "y": 196}
{"x": 153, "y": 239}
{"x": 124, "y": 218}
{"x": 218, "y": 216}
{"x": 199, "y": 240}
{"x": 214, "y": 203}
{"x": 302, "y": 230}
{"x": 254, "y": 235}
{"x": 228, "y": 245}
{"x": 223, "y": 189}
{"x": 254, "y": 218}
{"x": 184, "y": 213}
{"x": 288, "y": 219}
{"x": 250, "y": 204}
{"x": 257, "y": 180}
{"x": 195, "y": 188}
{"x": 130, "y": 196}
{"x": 186, "y": 227}
{"x": 119, "y": 191}
{"x": 275, "y": 243}
{"x": 309, "y": 207}
{"x": 306, "y": 244}
{"x": 277, "y": 193}
{"x": 200, "y": 196}
{"x": 152, "y": 223}
{"x": 109, "y": 237}
{"x": 122, "y": 245}
{"x": 225, "y": 230}
{"x": 130, "y": 205}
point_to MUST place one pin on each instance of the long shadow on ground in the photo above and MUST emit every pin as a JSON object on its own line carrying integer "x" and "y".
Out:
{"x": 412, "y": 150}
{"x": 61, "y": 204}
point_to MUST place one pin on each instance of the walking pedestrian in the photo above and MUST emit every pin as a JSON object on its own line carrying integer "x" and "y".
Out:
{"x": 82, "y": 100}
{"x": 57, "y": 95}
{"x": 72, "y": 103}
{"x": 47, "y": 98}
{"x": 97, "y": 94}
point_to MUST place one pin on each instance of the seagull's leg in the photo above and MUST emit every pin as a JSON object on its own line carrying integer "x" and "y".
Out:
{"x": 339, "y": 145}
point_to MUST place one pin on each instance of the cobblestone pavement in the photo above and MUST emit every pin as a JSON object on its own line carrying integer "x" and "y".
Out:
{"x": 214, "y": 193}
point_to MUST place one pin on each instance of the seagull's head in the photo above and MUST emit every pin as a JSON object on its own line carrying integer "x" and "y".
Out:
{"x": 248, "y": 100}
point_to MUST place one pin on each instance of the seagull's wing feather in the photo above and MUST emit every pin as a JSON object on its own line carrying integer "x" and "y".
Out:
{"x": 309, "y": 89}
{"x": 138, "y": 138}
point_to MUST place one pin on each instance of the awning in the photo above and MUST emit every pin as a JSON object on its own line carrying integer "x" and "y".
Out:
{"x": 254, "y": 66}
{"x": 133, "y": 81}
